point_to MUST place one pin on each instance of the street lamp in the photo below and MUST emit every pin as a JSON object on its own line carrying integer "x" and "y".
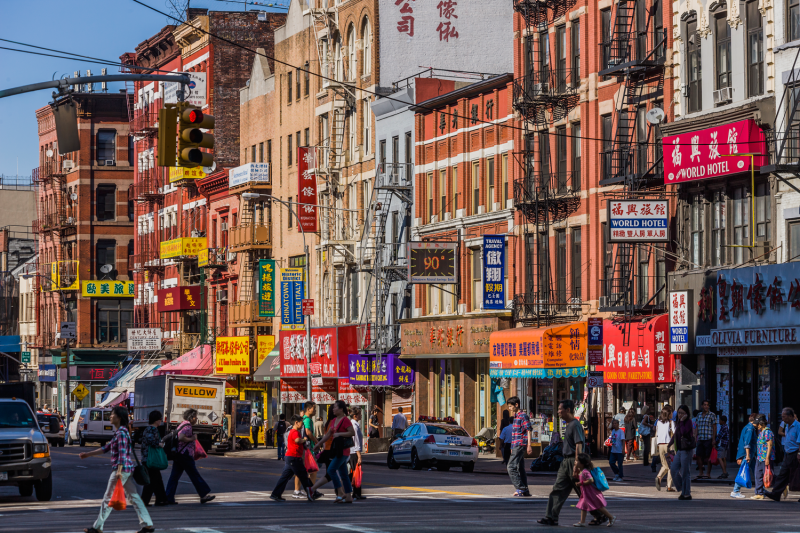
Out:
{"x": 306, "y": 319}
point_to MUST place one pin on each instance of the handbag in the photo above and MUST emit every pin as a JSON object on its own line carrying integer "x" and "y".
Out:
{"x": 768, "y": 476}
{"x": 744, "y": 478}
{"x": 340, "y": 444}
{"x": 140, "y": 474}
{"x": 157, "y": 458}
{"x": 644, "y": 430}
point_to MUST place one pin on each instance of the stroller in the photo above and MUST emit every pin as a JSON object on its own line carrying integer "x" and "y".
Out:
{"x": 551, "y": 457}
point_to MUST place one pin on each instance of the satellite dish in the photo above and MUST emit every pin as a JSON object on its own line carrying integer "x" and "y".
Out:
{"x": 73, "y": 197}
{"x": 655, "y": 116}
{"x": 209, "y": 170}
{"x": 49, "y": 153}
{"x": 105, "y": 269}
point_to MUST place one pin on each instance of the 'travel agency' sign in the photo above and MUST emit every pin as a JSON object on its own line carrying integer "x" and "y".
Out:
{"x": 638, "y": 220}
{"x": 494, "y": 267}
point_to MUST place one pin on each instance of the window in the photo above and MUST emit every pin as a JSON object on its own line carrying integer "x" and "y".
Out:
{"x": 106, "y": 202}
{"x": 291, "y": 213}
{"x": 353, "y": 131}
{"x": 476, "y": 186}
{"x": 695, "y": 74}
{"x": 307, "y": 137}
{"x": 561, "y": 58}
{"x": 698, "y": 214}
{"x": 561, "y": 159}
{"x": 794, "y": 240}
{"x": 576, "y": 157}
{"x": 395, "y": 150}
{"x": 289, "y": 86}
{"x": 442, "y": 193}
{"x": 297, "y": 261}
{"x": 575, "y": 46}
{"x": 544, "y": 153}
{"x": 661, "y": 275}
{"x": 763, "y": 215}
{"x": 577, "y": 263}
{"x": 608, "y": 146}
{"x": 306, "y": 76}
{"x": 382, "y": 154}
{"x": 643, "y": 292}
{"x": 723, "y": 36}
{"x": 366, "y": 116}
{"x": 544, "y": 57}
{"x": 640, "y": 12}
{"x": 755, "y": 50}
{"x": 490, "y": 180}
{"x": 106, "y": 146}
{"x": 366, "y": 36}
{"x": 454, "y": 178}
{"x": 253, "y": 154}
{"x": 130, "y": 259}
{"x": 477, "y": 294}
{"x": 395, "y": 243}
{"x": 260, "y": 152}
{"x": 543, "y": 255}
{"x": 113, "y": 320}
{"x": 605, "y": 28}
{"x": 106, "y": 255}
{"x": 561, "y": 266}
{"x": 741, "y": 221}
{"x": 351, "y": 54}
{"x": 325, "y": 136}
{"x": 642, "y": 141}
{"x": 409, "y": 171}
{"x": 297, "y": 84}
{"x": 793, "y": 22}
{"x": 297, "y": 140}
{"x": 269, "y": 155}
{"x": 504, "y": 182}
{"x": 429, "y": 195}
{"x": 608, "y": 261}
{"x": 718, "y": 224}
{"x": 289, "y": 150}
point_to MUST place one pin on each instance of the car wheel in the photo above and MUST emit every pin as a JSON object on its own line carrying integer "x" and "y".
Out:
{"x": 443, "y": 467}
{"x": 416, "y": 464}
{"x": 26, "y": 489}
{"x": 468, "y": 467}
{"x": 390, "y": 462}
{"x": 44, "y": 488}
{"x": 70, "y": 441}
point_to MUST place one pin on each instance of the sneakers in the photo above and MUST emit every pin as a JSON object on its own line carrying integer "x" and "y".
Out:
{"x": 207, "y": 498}
{"x": 276, "y": 498}
{"x": 579, "y": 524}
{"x": 616, "y": 478}
{"x": 738, "y": 495}
{"x": 298, "y": 495}
{"x": 658, "y": 483}
{"x": 757, "y": 497}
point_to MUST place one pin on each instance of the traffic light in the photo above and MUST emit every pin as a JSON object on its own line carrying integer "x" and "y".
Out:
{"x": 167, "y": 142}
{"x": 191, "y": 138}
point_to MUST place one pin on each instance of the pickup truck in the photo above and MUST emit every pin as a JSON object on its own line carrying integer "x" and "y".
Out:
{"x": 24, "y": 451}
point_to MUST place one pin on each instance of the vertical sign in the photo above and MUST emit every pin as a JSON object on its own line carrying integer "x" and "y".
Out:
{"x": 679, "y": 320}
{"x": 266, "y": 287}
{"x": 595, "y": 333}
{"x": 306, "y": 190}
{"x": 291, "y": 297}
{"x": 494, "y": 268}
{"x": 265, "y": 344}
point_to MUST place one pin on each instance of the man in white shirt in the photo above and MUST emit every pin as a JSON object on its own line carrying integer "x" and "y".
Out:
{"x": 399, "y": 422}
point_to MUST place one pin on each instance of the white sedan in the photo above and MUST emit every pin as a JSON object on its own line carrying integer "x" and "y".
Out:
{"x": 434, "y": 443}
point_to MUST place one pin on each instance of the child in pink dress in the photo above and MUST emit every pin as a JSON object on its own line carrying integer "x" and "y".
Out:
{"x": 591, "y": 497}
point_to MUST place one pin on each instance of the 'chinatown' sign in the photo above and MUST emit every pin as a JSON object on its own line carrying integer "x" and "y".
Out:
{"x": 292, "y": 291}
{"x": 638, "y": 220}
{"x": 233, "y": 355}
{"x": 107, "y": 289}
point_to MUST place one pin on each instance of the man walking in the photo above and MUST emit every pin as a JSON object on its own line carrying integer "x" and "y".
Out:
{"x": 307, "y": 431}
{"x": 706, "y": 438}
{"x": 791, "y": 446}
{"x": 399, "y": 423}
{"x": 280, "y": 431}
{"x": 521, "y": 431}
{"x": 255, "y": 427}
{"x": 746, "y": 451}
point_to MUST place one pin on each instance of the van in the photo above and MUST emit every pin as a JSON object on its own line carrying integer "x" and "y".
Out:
{"x": 96, "y": 427}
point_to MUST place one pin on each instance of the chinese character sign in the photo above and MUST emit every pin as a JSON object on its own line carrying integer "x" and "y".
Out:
{"x": 233, "y": 355}
{"x": 635, "y": 354}
{"x": 266, "y": 287}
{"x": 249, "y": 173}
{"x": 679, "y": 320}
{"x": 266, "y": 343}
{"x": 558, "y": 351}
{"x": 185, "y": 246}
{"x": 638, "y": 220}
{"x": 292, "y": 287}
{"x": 181, "y": 173}
{"x": 494, "y": 268}
{"x": 107, "y": 289}
{"x": 306, "y": 190}
{"x": 388, "y": 370}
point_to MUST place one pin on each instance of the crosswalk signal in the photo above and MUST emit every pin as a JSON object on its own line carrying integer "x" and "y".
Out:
{"x": 191, "y": 138}
{"x": 167, "y": 142}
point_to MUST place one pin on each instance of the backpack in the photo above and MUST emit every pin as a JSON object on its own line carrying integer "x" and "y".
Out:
{"x": 600, "y": 481}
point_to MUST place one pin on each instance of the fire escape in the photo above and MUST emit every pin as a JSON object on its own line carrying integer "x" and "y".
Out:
{"x": 784, "y": 140}
{"x": 634, "y": 53}
{"x": 547, "y": 193}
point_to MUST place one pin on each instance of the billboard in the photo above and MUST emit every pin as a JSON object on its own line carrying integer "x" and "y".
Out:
{"x": 107, "y": 289}
{"x": 144, "y": 339}
{"x": 249, "y": 173}
{"x": 233, "y": 355}
{"x": 183, "y": 247}
{"x": 638, "y": 220}
{"x": 432, "y": 262}
{"x": 266, "y": 287}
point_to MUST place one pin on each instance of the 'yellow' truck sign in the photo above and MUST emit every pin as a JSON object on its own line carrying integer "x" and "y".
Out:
{"x": 196, "y": 392}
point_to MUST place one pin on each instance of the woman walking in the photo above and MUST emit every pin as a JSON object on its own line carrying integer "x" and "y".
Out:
{"x": 665, "y": 428}
{"x": 122, "y": 460}
{"x": 765, "y": 454}
{"x": 685, "y": 437}
{"x": 645, "y": 431}
{"x": 630, "y": 434}
{"x": 184, "y": 460}
{"x": 355, "y": 451}
{"x": 340, "y": 431}
{"x": 152, "y": 439}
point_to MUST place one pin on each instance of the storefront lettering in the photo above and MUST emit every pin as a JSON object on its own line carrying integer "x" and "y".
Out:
{"x": 756, "y": 294}
{"x": 754, "y": 337}
{"x": 775, "y": 294}
{"x": 705, "y": 305}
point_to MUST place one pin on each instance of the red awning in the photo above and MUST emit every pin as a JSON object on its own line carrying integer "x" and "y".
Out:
{"x": 197, "y": 362}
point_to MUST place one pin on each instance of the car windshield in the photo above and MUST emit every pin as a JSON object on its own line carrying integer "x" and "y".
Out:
{"x": 16, "y": 415}
{"x": 446, "y": 430}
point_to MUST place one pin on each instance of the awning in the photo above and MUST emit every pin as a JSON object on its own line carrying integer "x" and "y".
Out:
{"x": 130, "y": 374}
{"x": 114, "y": 398}
{"x": 270, "y": 367}
{"x": 197, "y": 362}
{"x": 554, "y": 352}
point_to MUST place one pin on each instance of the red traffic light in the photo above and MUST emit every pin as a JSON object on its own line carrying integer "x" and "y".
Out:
{"x": 195, "y": 116}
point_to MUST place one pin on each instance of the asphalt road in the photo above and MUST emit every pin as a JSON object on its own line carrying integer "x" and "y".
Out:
{"x": 398, "y": 501}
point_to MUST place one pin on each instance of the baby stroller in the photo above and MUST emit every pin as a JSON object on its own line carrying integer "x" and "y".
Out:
{"x": 551, "y": 457}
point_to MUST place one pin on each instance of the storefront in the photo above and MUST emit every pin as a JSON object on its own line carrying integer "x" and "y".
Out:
{"x": 451, "y": 359}
{"x": 376, "y": 378}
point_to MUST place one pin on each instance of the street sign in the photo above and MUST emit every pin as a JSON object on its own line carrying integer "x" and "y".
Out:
{"x": 80, "y": 392}
{"x": 69, "y": 330}
{"x": 316, "y": 380}
{"x": 594, "y": 379}
{"x": 308, "y": 307}
{"x": 595, "y": 356}
{"x": 26, "y": 357}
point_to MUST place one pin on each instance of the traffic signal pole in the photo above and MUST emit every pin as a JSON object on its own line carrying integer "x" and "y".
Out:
{"x": 63, "y": 84}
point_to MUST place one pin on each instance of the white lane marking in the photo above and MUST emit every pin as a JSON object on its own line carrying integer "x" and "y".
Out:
{"x": 353, "y": 527}
{"x": 259, "y": 493}
{"x": 78, "y": 466}
{"x": 630, "y": 493}
{"x": 201, "y": 530}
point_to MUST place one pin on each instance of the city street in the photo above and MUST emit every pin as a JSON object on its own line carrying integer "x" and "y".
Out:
{"x": 398, "y": 500}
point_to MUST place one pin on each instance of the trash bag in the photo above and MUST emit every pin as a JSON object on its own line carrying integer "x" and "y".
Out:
{"x": 550, "y": 458}
{"x": 117, "y": 501}
{"x": 199, "y": 452}
{"x": 744, "y": 478}
{"x": 713, "y": 459}
{"x": 357, "y": 477}
{"x": 309, "y": 462}
{"x": 768, "y": 477}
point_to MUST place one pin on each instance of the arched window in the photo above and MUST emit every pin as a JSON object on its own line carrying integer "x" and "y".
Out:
{"x": 351, "y": 54}
{"x": 337, "y": 55}
{"x": 366, "y": 37}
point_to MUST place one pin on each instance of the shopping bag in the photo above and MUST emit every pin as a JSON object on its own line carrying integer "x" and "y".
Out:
{"x": 309, "y": 462}
{"x": 768, "y": 476}
{"x": 636, "y": 445}
{"x": 713, "y": 459}
{"x": 607, "y": 442}
{"x": 157, "y": 458}
{"x": 199, "y": 452}
{"x": 357, "y": 477}
{"x": 743, "y": 478}
{"x": 117, "y": 501}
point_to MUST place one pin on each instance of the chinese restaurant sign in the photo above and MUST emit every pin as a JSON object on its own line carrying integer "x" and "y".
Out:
{"x": 638, "y": 220}
{"x": 292, "y": 281}
{"x": 365, "y": 369}
{"x": 494, "y": 268}
{"x": 107, "y": 289}
{"x": 184, "y": 298}
{"x": 181, "y": 173}
{"x": 704, "y": 154}
{"x": 637, "y": 353}
{"x": 233, "y": 355}
{"x": 306, "y": 190}
{"x": 266, "y": 287}
{"x": 465, "y": 336}
{"x": 558, "y": 351}
{"x": 184, "y": 246}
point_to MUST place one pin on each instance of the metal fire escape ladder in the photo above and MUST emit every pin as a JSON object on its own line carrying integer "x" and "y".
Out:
{"x": 784, "y": 144}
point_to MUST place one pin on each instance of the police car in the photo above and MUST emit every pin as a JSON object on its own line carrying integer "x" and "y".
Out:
{"x": 437, "y": 443}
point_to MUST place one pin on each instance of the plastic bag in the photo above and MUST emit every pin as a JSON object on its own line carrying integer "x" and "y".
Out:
{"x": 199, "y": 452}
{"x": 607, "y": 443}
{"x": 357, "y": 477}
{"x": 713, "y": 459}
{"x": 768, "y": 476}
{"x": 309, "y": 462}
{"x": 744, "y": 478}
{"x": 117, "y": 501}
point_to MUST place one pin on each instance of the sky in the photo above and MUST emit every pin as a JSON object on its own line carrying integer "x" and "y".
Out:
{"x": 99, "y": 28}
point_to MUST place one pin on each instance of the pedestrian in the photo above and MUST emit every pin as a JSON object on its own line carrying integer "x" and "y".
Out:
{"x": 782, "y": 430}
{"x": 255, "y": 427}
{"x": 319, "y": 427}
{"x": 151, "y": 438}
{"x": 621, "y": 416}
{"x": 591, "y": 498}
{"x": 340, "y": 431}
{"x": 765, "y": 454}
{"x": 324, "y": 457}
{"x": 121, "y": 449}
{"x": 645, "y": 432}
{"x": 399, "y": 423}
{"x": 374, "y": 428}
{"x": 280, "y": 431}
{"x": 629, "y": 423}
{"x": 748, "y": 440}
{"x": 791, "y": 445}
{"x": 295, "y": 447}
{"x": 723, "y": 438}
{"x": 505, "y": 438}
{"x": 665, "y": 428}
{"x": 617, "y": 454}
{"x": 184, "y": 460}
{"x": 309, "y": 410}
{"x": 706, "y": 423}
{"x": 521, "y": 430}
{"x": 685, "y": 439}
{"x": 355, "y": 451}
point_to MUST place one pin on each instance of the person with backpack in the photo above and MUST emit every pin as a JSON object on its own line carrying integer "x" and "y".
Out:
{"x": 591, "y": 494}
{"x": 121, "y": 449}
{"x": 153, "y": 453}
{"x": 184, "y": 445}
{"x": 280, "y": 431}
{"x": 255, "y": 427}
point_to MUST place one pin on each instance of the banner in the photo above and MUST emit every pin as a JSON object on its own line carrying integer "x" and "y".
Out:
{"x": 181, "y": 173}
{"x": 306, "y": 190}
{"x": 292, "y": 287}
{"x": 365, "y": 369}
{"x": 494, "y": 268}
{"x": 184, "y": 246}
{"x": 202, "y": 258}
{"x": 249, "y": 173}
{"x": 233, "y": 355}
{"x": 107, "y": 289}
{"x": 266, "y": 287}
{"x": 186, "y": 298}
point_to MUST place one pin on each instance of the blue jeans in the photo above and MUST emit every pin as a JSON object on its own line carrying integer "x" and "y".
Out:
{"x": 760, "y": 469}
{"x": 615, "y": 460}
{"x": 184, "y": 463}
{"x": 337, "y": 469}
{"x": 752, "y": 466}
{"x": 281, "y": 447}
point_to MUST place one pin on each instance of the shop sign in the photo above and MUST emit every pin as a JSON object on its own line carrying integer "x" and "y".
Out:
{"x": 705, "y": 153}
{"x": 349, "y": 394}
{"x": 231, "y": 389}
{"x": 679, "y": 321}
{"x": 181, "y": 173}
{"x": 292, "y": 291}
{"x": 180, "y": 299}
{"x": 558, "y": 351}
{"x": 265, "y": 344}
{"x": 306, "y": 190}
{"x": 107, "y": 289}
{"x": 266, "y": 287}
{"x": 144, "y": 339}
{"x": 494, "y": 268}
{"x": 634, "y": 352}
{"x": 432, "y": 262}
{"x": 293, "y": 390}
{"x": 233, "y": 355}
{"x": 92, "y": 373}
{"x": 594, "y": 380}
{"x": 249, "y": 173}
{"x": 388, "y": 371}
{"x": 330, "y": 348}
{"x": 702, "y": 341}
{"x": 196, "y": 92}
{"x": 47, "y": 372}
{"x": 638, "y": 220}
{"x": 755, "y": 337}
{"x": 202, "y": 257}
{"x": 462, "y": 336}
{"x": 183, "y": 247}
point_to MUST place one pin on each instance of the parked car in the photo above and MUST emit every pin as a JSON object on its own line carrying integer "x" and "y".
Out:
{"x": 75, "y": 423}
{"x": 55, "y": 439}
{"x": 96, "y": 426}
{"x": 434, "y": 443}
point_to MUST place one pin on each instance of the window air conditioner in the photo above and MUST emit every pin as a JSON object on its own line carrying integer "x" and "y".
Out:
{"x": 231, "y": 256}
{"x": 222, "y": 296}
{"x": 541, "y": 88}
{"x": 68, "y": 164}
{"x": 723, "y": 95}
{"x": 223, "y": 226}
{"x": 603, "y": 302}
